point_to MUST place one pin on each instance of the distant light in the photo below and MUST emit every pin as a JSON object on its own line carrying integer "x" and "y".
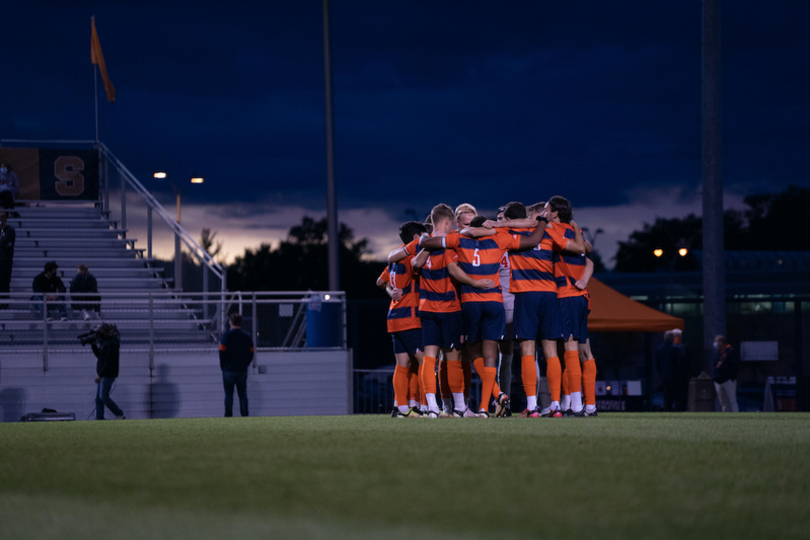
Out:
{"x": 327, "y": 297}
{"x": 682, "y": 252}
{"x": 607, "y": 388}
{"x": 658, "y": 252}
{"x": 781, "y": 261}
{"x": 160, "y": 175}
{"x": 197, "y": 180}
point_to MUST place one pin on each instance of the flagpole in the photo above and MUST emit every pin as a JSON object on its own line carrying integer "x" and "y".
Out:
{"x": 95, "y": 85}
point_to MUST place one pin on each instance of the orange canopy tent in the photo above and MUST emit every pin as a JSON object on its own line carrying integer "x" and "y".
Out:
{"x": 611, "y": 311}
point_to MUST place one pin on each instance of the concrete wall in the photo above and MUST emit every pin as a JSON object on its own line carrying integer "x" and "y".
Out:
{"x": 181, "y": 385}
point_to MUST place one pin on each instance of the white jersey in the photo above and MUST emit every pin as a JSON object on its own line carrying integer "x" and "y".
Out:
{"x": 505, "y": 273}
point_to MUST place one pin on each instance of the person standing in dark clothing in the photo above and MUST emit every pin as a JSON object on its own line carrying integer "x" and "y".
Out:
{"x": 725, "y": 374}
{"x": 9, "y": 186}
{"x": 235, "y": 355}
{"x": 46, "y": 285}
{"x": 107, "y": 351}
{"x": 681, "y": 371}
{"x": 670, "y": 360}
{"x": 84, "y": 284}
{"x": 7, "y": 238}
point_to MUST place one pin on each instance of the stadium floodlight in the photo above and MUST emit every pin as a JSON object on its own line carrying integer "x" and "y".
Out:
{"x": 658, "y": 252}
{"x": 160, "y": 175}
{"x": 196, "y": 180}
{"x": 682, "y": 252}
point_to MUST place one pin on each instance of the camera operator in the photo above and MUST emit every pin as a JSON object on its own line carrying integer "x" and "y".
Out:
{"x": 106, "y": 349}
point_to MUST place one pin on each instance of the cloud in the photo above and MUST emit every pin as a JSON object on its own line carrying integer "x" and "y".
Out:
{"x": 644, "y": 206}
{"x": 242, "y": 226}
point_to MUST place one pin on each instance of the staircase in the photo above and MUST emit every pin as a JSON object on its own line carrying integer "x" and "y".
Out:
{"x": 134, "y": 293}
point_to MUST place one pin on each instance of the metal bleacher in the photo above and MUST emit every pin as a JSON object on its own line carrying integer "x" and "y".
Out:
{"x": 135, "y": 294}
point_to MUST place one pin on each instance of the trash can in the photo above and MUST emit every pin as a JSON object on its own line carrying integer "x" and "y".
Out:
{"x": 701, "y": 393}
{"x": 323, "y": 322}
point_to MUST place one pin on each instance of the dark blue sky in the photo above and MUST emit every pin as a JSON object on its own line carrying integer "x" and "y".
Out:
{"x": 435, "y": 101}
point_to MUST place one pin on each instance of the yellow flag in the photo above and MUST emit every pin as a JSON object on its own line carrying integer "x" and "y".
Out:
{"x": 97, "y": 57}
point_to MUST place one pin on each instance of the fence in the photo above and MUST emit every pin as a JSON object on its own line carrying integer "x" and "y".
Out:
{"x": 181, "y": 322}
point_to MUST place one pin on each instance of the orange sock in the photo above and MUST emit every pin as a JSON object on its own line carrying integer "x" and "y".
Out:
{"x": 455, "y": 376}
{"x": 401, "y": 386}
{"x": 566, "y": 383}
{"x": 488, "y": 375}
{"x": 413, "y": 384}
{"x": 573, "y": 369}
{"x": 444, "y": 385}
{"x": 589, "y": 381}
{"x": 554, "y": 376}
{"x": 528, "y": 375}
{"x": 478, "y": 363}
{"x": 467, "y": 370}
{"x": 429, "y": 376}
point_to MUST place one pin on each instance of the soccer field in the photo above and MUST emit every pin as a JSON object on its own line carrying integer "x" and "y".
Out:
{"x": 615, "y": 476}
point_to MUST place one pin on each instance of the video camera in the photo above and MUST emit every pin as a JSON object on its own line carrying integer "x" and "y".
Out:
{"x": 93, "y": 335}
{"x": 89, "y": 338}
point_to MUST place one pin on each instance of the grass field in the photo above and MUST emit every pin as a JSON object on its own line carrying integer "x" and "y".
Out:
{"x": 615, "y": 476}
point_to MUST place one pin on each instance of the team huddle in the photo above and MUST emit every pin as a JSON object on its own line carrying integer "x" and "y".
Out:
{"x": 464, "y": 289}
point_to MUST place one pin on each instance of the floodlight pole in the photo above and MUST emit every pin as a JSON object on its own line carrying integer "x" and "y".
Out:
{"x": 714, "y": 279}
{"x": 331, "y": 199}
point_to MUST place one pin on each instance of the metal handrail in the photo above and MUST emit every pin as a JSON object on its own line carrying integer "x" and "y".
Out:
{"x": 130, "y": 178}
{"x": 203, "y": 255}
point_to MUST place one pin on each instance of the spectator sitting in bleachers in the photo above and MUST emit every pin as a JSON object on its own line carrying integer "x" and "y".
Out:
{"x": 84, "y": 284}
{"x": 46, "y": 286}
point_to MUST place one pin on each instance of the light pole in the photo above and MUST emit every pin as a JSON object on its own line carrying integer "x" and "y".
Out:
{"x": 178, "y": 261}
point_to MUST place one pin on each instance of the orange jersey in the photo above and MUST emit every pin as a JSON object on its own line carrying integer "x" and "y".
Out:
{"x": 568, "y": 267}
{"x": 481, "y": 259}
{"x": 437, "y": 291}
{"x": 403, "y": 314}
{"x": 533, "y": 269}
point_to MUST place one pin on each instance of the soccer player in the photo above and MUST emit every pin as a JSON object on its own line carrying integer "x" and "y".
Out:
{"x": 440, "y": 310}
{"x": 506, "y": 346}
{"x": 537, "y": 311}
{"x": 402, "y": 285}
{"x": 483, "y": 313}
{"x": 463, "y": 216}
{"x": 586, "y": 359}
{"x": 574, "y": 302}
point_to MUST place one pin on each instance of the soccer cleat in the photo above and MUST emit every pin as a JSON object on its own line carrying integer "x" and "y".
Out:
{"x": 469, "y": 413}
{"x": 121, "y": 417}
{"x": 444, "y": 414}
{"x": 549, "y": 413}
{"x": 589, "y": 414}
{"x": 571, "y": 414}
{"x": 432, "y": 414}
{"x": 530, "y": 414}
{"x": 501, "y": 405}
{"x": 394, "y": 412}
{"x": 412, "y": 413}
{"x": 482, "y": 414}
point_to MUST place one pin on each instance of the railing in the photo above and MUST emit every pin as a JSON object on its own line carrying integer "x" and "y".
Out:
{"x": 167, "y": 321}
{"x": 180, "y": 234}
{"x": 128, "y": 179}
